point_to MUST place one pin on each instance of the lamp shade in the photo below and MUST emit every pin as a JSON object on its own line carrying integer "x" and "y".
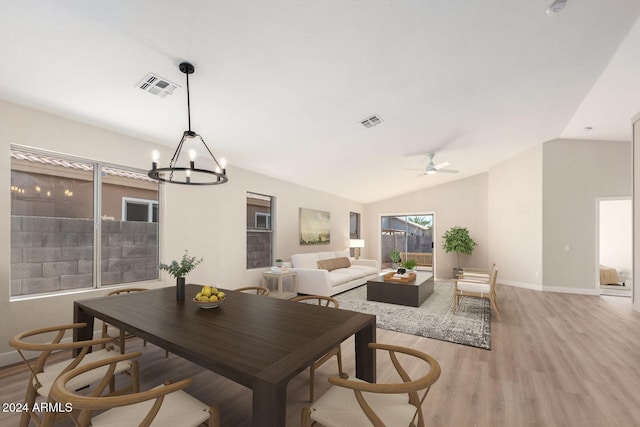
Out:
{"x": 356, "y": 243}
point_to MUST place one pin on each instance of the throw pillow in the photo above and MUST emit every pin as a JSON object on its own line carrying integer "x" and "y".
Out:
{"x": 334, "y": 263}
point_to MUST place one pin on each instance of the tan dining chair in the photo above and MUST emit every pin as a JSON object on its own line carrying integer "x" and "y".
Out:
{"x": 476, "y": 287}
{"x": 45, "y": 341}
{"x": 353, "y": 402}
{"x": 336, "y": 351}
{"x": 165, "y": 405}
{"x": 476, "y": 273}
{"x": 259, "y": 290}
{"x": 119, "y": 336}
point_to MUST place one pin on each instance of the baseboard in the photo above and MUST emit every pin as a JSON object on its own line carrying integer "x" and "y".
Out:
{"x": 579, "y": 291}
{"x": 523, "y": 285}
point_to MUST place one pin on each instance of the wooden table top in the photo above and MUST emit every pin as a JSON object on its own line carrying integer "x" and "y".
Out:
{"x": 247, "y": 338}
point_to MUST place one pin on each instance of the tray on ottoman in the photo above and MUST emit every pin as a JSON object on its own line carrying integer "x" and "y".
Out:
{"x": 389, "y": 278}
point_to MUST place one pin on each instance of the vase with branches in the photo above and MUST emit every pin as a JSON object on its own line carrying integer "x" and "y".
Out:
{"x": 179, "y": 269}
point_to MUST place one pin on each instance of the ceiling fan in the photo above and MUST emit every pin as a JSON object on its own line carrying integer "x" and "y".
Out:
{"x": 432, "y": 168}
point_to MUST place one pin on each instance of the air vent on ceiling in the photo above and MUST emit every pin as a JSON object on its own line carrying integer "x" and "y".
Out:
{"x": 371, "y": 121}
{"x": 156, "y": 85}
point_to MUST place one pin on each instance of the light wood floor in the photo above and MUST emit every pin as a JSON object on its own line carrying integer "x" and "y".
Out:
{"x": 557, "y": 360}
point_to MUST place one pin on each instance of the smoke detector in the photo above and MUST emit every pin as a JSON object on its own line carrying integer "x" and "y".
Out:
{"x": 556, "y": 7}
{"x": 156, "y": 85}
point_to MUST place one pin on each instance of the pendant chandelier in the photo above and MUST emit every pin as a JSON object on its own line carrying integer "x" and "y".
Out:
{"x": 188, "y": 175}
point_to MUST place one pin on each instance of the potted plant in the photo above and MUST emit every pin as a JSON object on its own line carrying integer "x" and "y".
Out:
{"x": 410, "y": 265}
{"x": 457, "y": 239}
{"x": 179, "y": 270}
{"x": 395, "y": 258}
{"x": 278, "y": 262}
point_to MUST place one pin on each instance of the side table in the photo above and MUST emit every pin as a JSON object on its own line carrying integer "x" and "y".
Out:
{"x": 280, "y": 275}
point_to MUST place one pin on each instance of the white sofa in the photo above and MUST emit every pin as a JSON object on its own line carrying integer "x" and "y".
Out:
{"x": 336, "y": 273}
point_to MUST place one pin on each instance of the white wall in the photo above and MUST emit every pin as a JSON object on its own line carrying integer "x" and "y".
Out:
{"x": 515, "y": 219}
{"x": 575, "y": 174}
{"x": 209, "y": 221}
{"x": 616, "y": 235}
{"x": 462, "y": 203}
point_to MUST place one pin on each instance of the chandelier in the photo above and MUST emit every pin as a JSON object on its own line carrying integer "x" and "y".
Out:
{"x": 177, "y": 172}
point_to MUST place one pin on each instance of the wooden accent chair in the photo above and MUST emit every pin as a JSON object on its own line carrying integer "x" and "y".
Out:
{"x": 48, "y": 340}
{"x": 259, "y": 290}
{"x": 477, "y": 273}
{"x": 336, "y": 351}
{"x": 119, "y": 336}
{"x": 163, "y": 405}
{"x": 478, "y": 287}
{"x": 357, "y": 402}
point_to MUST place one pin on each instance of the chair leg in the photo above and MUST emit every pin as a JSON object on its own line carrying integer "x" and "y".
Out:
{"x": 495, "y": 307}
{"x": 29, "y": 400}
{"x": 306, "y": 417}
{"x": 339, "y": 357}
{"x": 123, "y": 338}
{"x": 214, "y": 418}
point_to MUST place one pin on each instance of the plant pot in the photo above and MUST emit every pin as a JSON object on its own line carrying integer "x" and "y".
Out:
{"x": 180, "y": 281}
{"x": 456, "y": 271}
{"x": 278, "y": 263}
{"x": 395, "y": 265}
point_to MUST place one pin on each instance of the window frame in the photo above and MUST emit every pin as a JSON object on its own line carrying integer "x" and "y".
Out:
{"x": 150, "y": 205}
{"x": 270, "y": 228}
{"x": 96, "y": 219}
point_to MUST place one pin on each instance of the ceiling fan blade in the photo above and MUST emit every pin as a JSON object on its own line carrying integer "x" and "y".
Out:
{"x": 442, "y": 165}
{"x": 447, "y": 171}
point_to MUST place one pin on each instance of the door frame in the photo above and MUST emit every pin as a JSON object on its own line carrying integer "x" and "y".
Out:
{"x": 597, "y": 237}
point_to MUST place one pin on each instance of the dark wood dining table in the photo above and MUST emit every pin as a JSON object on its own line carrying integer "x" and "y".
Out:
{"x": 259, "y": 342}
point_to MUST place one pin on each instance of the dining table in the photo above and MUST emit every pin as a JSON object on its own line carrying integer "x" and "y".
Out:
{"x": 257, "y": 341}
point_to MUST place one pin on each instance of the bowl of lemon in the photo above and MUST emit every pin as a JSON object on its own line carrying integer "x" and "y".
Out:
{"x": 209, "y": 297}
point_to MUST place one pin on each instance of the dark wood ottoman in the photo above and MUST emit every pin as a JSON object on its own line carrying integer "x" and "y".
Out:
{"x": 413, "y": 293}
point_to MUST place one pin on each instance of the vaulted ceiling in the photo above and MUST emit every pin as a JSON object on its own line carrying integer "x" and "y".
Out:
{"x": 281, "y": 86}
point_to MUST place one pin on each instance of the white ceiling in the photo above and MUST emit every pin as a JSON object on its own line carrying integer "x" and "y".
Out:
{"x": 281, "y": 86}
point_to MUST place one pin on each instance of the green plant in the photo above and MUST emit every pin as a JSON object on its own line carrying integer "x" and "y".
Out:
{"x": 278, "y": 259}
{"x": 394, "y": 255}
{"x": 457, "y": 239}
{"x": 410, "y": 264}
{"x": 182, "y": 268}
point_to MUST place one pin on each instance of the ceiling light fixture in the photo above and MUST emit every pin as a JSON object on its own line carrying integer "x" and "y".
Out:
{"x": 556, "y": 7}
{"x": 188, "y": 175}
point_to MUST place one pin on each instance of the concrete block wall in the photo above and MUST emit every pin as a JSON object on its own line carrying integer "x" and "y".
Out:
{"x": 55, "y": 254}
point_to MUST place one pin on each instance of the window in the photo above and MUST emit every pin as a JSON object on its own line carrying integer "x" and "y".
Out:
{"x": 259, "y": 230}
{"x": 139, "y": 210}
{"x": 354, "y": 228}
{"x": 59, "y": 242}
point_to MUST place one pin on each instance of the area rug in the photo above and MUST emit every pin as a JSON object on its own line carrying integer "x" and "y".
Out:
{"x": 471, "y": 325}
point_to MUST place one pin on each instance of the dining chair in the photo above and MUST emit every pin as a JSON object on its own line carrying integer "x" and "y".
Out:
{"x": 119, "y": 336}
{"x": 476, "y": 287}
{"x": 165, "y": 405}
{"x": 354, "y": 402}
{"x": 259, "y": 290}
{"x": 336, "y": 351}
{"x": 476, "y": 273}
{"x": 48, "y": 340}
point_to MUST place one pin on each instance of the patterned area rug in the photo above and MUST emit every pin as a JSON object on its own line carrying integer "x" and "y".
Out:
{"x": 471, "y": 325}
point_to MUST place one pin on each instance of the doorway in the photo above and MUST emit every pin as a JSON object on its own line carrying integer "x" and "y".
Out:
{"x": 614, "y": 240}
{"x": 410, "y": 236}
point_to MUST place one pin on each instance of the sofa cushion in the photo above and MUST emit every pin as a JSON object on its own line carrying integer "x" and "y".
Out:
{"x": 305, "y": 260}
{"x": 334, "y": 263}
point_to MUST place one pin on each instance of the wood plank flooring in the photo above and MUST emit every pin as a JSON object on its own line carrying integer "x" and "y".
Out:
{"x": 556, "y": 360}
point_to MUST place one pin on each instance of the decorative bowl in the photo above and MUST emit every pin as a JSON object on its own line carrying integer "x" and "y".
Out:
{"x": 208, "y": 304}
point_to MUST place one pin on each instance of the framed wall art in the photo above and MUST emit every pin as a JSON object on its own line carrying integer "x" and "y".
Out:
{"x": 315, "y": 227}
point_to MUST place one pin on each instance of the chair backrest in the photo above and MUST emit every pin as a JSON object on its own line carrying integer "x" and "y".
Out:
{"x": 54, "y": 335}
{"x": 408, "y": 386}
{"x": 318, "y": 300}
{"x": 84, "y": 405}
{"x": 259, "y": 290}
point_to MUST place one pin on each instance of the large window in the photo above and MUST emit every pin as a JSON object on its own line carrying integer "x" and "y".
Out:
{"x": 67, "y": 226}
{"x": 259, "y": 230}
{"x": 411, "y": 235}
